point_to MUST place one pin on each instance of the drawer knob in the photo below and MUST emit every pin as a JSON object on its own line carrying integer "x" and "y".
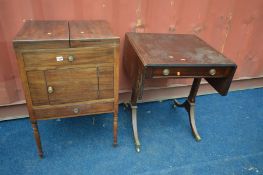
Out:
{"x": 70, "y": 58}
{"x": 166, "y": 72}
{"x": 212, "y": 71}
{"x": 76, "y": 110}
{"x": 50, "y": 89}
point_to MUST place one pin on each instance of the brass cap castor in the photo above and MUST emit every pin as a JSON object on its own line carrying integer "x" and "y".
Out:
{"x": 138, "y": 148}
{"x": 198, "y": 138}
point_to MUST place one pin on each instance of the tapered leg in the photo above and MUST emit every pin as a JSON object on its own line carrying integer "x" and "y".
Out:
{"x": 115, "y": 128}
{"x": 189, "y": 105}
{"x": 37, "y": 138}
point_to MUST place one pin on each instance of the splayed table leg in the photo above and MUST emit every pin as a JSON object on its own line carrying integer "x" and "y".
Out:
{"x": 134, "y": 127}
{"x": 189, "y": 106}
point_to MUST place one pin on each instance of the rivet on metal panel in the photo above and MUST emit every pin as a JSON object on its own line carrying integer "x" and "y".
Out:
{"x": 138, "y": 22}
{"x": 139, "y": 27}
{"x": 198, "y": 29}
{"x": 172, "y": 3}
{"x": 172, "y": 28}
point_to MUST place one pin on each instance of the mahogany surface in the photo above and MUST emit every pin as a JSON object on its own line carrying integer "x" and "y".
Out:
{"x": 160, "y": 55}
{"x": 63, "y": 76}
{"x": 156, "y": 49}
{"x": 43, "y": 31}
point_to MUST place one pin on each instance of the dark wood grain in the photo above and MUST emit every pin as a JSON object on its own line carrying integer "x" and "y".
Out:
{"x": 43, "y": 34}
{"x": 116, "y": 94}
{"x": 151, "y": 56}
{"x": 106, "y": 82}
{"x": 67, "y": 110}
{"x": 175, "y": 50}
{"x": 90, "y": 33}
{"x": 86, "y": 79}
{"x": 37, "y": 138}
{"x": 72, "y": 85}
{"x": 95, "y": 30}
{"x": 186, "y": 72}
{"x": 38, "y": 87}
{"x": 47, "y": 58}
{"x": 134, "y": 69}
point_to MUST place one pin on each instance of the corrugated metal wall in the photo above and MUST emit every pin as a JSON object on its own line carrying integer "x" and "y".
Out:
{"x": 233, "y": 27}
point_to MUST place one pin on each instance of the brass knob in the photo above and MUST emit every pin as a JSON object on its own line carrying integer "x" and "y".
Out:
{"x": 212, "y": 71}
{"x": 76, "y": 110}
{"x": 50, "y": 89}
{"x": 166, "y": 72}
{"x": 70, "y": 58}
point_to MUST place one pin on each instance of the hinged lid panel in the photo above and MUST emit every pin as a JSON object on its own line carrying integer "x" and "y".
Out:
{"x": 43, "y": 34}
{"x": 90, "y": 32}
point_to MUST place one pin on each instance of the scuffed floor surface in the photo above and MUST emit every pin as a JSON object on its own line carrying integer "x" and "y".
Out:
{"x": 231, "y": 128}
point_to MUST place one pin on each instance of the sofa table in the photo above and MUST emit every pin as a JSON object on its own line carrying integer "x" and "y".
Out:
{"x": 153, "y": 55}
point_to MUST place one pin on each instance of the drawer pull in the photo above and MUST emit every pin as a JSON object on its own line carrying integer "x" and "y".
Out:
{"x": 212, "y": 71}
{"x": 70, "y": 58}
{"x": 50, "y": 89}
{"x": 166, "y": 72}
{"x": 76, "y": 110}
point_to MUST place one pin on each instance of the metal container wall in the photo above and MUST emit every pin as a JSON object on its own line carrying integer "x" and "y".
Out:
{"x": 234, "y": 27}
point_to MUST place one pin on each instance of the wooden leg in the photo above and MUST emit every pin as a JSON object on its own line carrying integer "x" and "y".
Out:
{"x": 115, "y": 128}
{"x": 134, "y": 127}
{"x": 191, "y": 114}
{"x": 37, "y": 138}
{"x": 189, "y": 105}
{"x": 136, "y": 92}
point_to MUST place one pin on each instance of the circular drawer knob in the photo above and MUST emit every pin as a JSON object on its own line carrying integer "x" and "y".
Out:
{"x": 166, "y": 72}
{"x": 50, "y": 89}
{"x": 76, "y": 110}
{"x": 212, "y": 71}
{"x": 70, "y": 58}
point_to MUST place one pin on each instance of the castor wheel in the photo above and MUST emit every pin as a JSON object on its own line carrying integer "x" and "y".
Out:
{"x": 138, "y": 148}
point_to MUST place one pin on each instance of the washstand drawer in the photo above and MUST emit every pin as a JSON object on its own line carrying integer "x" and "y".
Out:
{"x": 190, "y": 72}
{"x": 69, "y": 56}
{"x": 73, "y": 109}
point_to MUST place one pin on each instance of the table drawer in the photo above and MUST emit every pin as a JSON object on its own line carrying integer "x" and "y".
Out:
{"x": 79, "y": 109}
{"x": 190, "y": 72}
{"x": 69, "y": 56}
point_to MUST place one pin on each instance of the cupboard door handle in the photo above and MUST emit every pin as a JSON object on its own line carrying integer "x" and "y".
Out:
{"x": 76, "y": 110}
{"x": 50, "y": 89}
{"x": 70, "y": 58}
